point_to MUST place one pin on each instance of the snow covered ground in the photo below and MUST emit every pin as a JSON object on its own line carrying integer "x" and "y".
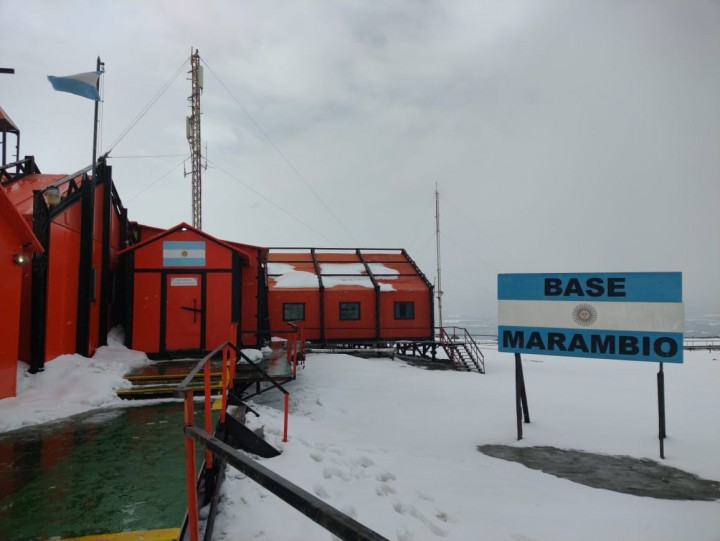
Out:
{"x": 395, "y": 447}
{"x": 69, "y": 385}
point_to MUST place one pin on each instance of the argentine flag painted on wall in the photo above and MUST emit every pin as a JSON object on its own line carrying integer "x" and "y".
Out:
{"x": 187, "y": 253}
{"x": 81, "y": 84}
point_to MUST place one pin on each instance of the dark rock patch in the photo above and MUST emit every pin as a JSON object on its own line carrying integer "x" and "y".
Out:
{"x": 639, "y": 477}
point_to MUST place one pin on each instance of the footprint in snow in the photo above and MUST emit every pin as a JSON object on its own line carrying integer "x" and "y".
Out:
{"x": 329, "y": 473}
{"x": 383, "y": 489}
{"x": 404, "y": 535}
{"x": 320, "y": 492}
{"x": 384, "y": 477}
{"x": 364, "y": 462}
{"x": 412, "y": 511}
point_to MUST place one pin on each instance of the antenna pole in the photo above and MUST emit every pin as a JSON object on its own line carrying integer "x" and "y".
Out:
{"x": 439, "y": 291}
{"x": 193, "y": 137}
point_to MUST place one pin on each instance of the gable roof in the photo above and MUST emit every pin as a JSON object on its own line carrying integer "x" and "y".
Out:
{"x": 184, "y": 227}
{"x": 388, "y": 269}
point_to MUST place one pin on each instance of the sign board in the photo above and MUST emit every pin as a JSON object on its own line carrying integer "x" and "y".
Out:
{"x": 635, "y": 316}
{"x": 183, "y": 281}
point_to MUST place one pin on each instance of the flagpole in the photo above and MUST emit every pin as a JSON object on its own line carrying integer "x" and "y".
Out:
{"x": 95, "y": 127}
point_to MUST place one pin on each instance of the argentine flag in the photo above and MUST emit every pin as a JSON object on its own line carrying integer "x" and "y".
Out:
{"x": 189, "y": 253}
{"x": 81, "y": 84}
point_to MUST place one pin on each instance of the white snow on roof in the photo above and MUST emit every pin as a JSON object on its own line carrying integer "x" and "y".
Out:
{"x": 347, "y": 274}
{"x": 286, "y": 277}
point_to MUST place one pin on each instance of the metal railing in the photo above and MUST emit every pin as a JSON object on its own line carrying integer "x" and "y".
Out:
{"x": 22, "y": 168}
{"x": 230, "y": 353}
{"x": 710, "y": 343}
{"x": 460, "y": 336}
{"x": 336, "y": 522}
{"x": 333, "y": 520}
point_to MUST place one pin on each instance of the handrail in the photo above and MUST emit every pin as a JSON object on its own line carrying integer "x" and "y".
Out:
{"x": 183, "y": 390}
{"x": 480, "y": 359}
{"x": 71, "y": 176}
{"x": 330, "y": 518}
{"x": 185, "y": 383}
{"x": 23, "y": 168}
{"x": 710, "y": 343}
{"x": 333, "y": 520}
{"x": 468, "y": 341}
{"x": 295, "y": 353}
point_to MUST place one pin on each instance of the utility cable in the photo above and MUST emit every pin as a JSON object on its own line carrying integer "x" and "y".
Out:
{"x": 282, "y": 155}
{"x": 145, "y": 109}
{"x": 270, "y": 201}
{"x": 147, "y": 156}
{"x": 423, "y": 218}
{"x": 154, "y": 182}
{"x": 480, "y": 229}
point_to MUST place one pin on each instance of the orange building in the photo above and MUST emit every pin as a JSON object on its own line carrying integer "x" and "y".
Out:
{"x": 68, "y": 288}
{"x": 187, "y": 289}
{"x": 178, "y": 291}
{"x": 349, "y": 295}
{"x": 17, "y": 243}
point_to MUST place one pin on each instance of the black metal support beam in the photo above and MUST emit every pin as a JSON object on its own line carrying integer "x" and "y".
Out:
{"x": 105, "y": 178}
{"x": 237, "y": 298}
{"x": 38, "y": 301}
{"x": 128, "y": 293}
{"x": 85, "y": 282}
{"x": 376, "y": 287}
{"x": 321, "y": 293}
{"x": 262, "y": 325}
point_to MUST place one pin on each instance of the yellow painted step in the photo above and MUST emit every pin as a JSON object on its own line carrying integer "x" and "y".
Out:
{"x": 168, "y": 534}
{"x": 151, "y": 377}
{"x": 161, "y": 389}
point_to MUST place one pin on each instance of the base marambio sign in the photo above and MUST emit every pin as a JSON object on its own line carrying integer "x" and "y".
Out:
{"x": 632, "y": 316}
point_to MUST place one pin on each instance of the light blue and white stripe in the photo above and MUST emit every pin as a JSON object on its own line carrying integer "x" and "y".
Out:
{"x": 80, "y": 84}
{"x": 187, "y": 253}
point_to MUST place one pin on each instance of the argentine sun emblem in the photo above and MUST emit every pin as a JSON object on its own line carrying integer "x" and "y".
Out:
{"x": 584, "y": 314}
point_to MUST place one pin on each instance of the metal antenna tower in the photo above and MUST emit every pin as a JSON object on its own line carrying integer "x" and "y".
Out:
{"x": 192, "y": 132}
{"x": 437, "y": 240}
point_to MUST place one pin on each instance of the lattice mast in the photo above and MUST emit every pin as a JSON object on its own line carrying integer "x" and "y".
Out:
{"x": 193, "y": 137}
{"x": 439, "y": 291}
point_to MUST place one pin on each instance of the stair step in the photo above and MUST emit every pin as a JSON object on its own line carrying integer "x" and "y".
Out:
{"x": 168, "y": 377}
{"x": 153, "y": 391}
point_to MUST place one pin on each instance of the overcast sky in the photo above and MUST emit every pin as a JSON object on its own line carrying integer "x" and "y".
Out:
{"x": 564, "y": 136}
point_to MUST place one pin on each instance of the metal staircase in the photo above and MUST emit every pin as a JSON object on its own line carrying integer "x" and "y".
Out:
{"x": 462, "y": 350}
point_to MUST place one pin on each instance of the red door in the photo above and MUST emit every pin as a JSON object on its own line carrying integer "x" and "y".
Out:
{"x": 184, "y": 317}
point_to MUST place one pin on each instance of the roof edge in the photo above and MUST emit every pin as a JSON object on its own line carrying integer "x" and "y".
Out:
{"x": 183, "y": 226}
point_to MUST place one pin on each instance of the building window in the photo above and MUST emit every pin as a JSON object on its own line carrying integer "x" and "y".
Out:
{"x": 404, "y": 310}
{"x": 349, "y": 310}
{"x": 293, "y": 311}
